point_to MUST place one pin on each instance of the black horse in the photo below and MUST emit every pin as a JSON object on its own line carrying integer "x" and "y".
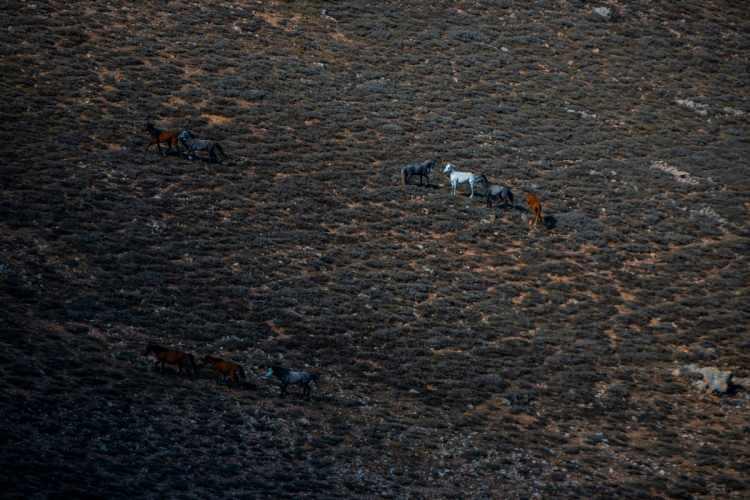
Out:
{"x": 423, "y": 169}
{"x": 193, "y": 145}
{"x": 289, "y": 377}
{"x": 502, "y": 193}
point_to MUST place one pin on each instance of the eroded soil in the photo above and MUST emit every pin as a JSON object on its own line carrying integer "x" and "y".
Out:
{"x": 462, "y": 355}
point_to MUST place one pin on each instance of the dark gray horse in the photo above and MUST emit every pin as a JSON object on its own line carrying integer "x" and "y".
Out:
{"x": 495, "y": 192}
{"x": 423, "y": 169}
{"x": 289, "y": 377}
{"x": 193, "y": 145}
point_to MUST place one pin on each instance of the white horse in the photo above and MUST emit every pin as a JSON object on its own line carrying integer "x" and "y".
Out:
{"x": 462, "y": 178}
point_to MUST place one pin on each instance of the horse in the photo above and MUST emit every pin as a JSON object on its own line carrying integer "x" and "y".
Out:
{"x": 496, "y": 192}
{"x": 536, "y": 208}
{"x": 423, "y": 169}
{"x": 158, "y": 136}
{"x": 228, "y": 370}
{"x": 193, "y": 145}
{"x": 291, "y": 377}
{"x": 182, "y": 360}
{"x": 457, "y": 178}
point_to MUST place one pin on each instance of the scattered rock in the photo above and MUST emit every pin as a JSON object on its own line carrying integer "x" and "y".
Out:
{"x": 718, "y": 381}
{"x": 603, "y": 13}
{"x": 679, "y": 175}
{"x": 582, "y": 114}
{"x": 701, "y": 109}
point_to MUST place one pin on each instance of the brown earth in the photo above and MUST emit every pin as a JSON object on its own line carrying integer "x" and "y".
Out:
{"x": 462, "y": 355}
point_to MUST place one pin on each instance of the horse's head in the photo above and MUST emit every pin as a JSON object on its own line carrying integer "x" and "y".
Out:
{"x": 429, "y": 165}
{"x": 449, "y": 167}
{"x": 149, "y": 126}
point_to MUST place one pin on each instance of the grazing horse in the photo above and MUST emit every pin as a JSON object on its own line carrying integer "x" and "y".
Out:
{"x": 228, "y": 370}
{"x": 290, "y": 377}
{"x": 182, "y": 360}
{"x": 423, "y": 169}
{"x": 457, "y": 178}
{"x": 193, "y": 145}
{"x": 167, "y": 137}
{"x": 502, "y": 193}
{"x": 536, "y": 208}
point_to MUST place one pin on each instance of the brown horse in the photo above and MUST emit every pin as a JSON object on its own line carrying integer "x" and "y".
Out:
{"x": 184, "y": 361}
{"x": 228, "y": 370}
{"x": 158, "y": 137}
{"x": 536, "y": 207}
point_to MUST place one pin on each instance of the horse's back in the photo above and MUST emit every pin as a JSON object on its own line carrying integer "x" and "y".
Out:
{"x": 533, "y": 201}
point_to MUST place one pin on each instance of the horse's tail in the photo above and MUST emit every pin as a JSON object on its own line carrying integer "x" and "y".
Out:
{"x": 220, "y": 150}
{"x": 510, "y": 198}
{"x": 484, "y": 179}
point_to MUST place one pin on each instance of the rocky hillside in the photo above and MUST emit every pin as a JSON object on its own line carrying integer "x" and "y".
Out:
{"x": 603, "y": 355}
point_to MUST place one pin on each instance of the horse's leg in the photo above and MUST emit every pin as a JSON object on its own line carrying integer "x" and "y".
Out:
{"x": 283, "y": 390}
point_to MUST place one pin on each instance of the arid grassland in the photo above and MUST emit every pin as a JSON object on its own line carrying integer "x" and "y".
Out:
{"x": 462, "y": 355}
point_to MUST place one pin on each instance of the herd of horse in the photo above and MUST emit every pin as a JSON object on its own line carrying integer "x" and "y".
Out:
{"x": 493, "y": 192}
{"x": 233, "y": 373}
{"x": 228, "y": 372}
